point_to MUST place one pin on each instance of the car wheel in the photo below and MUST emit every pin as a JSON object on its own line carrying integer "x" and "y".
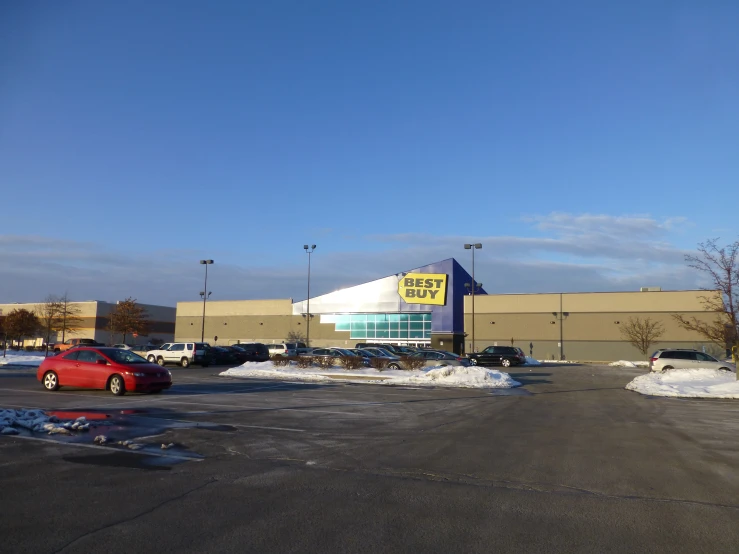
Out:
{"x": 156, "y": 391}
{"x": 505, "y": 362}
{"x": 117, "y": 386}
{"x": 151, "y": 359}
{"x": 51, "y": 381}
{"x": 57, "y": 350}
{"x": 724, "y": 369}
{"x": 204, "y": 365}
{"x": 185, "y": 362}
{"x": 393, "y": 366}
{"x": 160, "y": 361}
{"x": 667, "y": 367}
{"x": 473, "y": 361}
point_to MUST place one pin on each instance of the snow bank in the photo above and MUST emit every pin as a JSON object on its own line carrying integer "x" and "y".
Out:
{"x": 461, "y": 376}
{"x": 33, "y": 359}
{"x": 688, "y": 383}
{"x": 39, "y": 422}
{"x": 448, "y": 376}
{"x": 532, "y": 361}
{"x": 625, "y": 363}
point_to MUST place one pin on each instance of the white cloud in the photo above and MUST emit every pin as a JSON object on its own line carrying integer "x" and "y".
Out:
{"x": 567, "y": 253}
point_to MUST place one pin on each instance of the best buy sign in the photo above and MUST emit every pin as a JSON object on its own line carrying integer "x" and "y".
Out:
{"x": 423, "y": 288}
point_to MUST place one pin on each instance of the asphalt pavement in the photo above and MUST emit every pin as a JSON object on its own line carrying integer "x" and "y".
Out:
{"x": 570, "y": 462}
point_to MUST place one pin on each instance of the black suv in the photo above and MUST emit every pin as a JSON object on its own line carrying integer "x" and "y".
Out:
{"x": 499, "y": 355}
{"x": 256, "y": 351}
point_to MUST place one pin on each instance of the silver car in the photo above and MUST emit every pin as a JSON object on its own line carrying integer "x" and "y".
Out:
{"x": 676, "y": 358}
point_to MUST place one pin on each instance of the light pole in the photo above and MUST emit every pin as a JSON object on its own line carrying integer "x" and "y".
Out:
{"x": 561, "y": 316}
{"x": 473, "y": 287}
{"x": 309, "y": 251}
{"x": 205, "y": 294}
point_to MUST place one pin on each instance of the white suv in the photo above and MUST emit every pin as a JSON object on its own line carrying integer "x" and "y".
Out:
{"x": 285, "y": 348}
{"x": 182, "y": 353}
{"x": 686, "y": 359}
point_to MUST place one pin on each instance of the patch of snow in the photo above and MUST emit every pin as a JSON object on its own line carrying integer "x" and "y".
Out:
{"x": 532, "y": 361}
{"x": 626, "y": 363}
{"x": 449, "y": 376}
{"x": 38, "y": 421}
{"x": 687, "y": 383}
{"x": 32, "y": 359}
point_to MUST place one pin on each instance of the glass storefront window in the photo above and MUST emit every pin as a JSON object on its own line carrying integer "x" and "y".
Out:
{"x": 382, "y": 326}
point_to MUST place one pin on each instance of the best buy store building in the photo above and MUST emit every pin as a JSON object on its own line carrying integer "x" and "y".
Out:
{"x": 430, "y": 305}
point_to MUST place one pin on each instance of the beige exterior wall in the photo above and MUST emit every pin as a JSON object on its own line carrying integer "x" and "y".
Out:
{"x": 93, "y": 322}
{"x": 266, "y": 321}
{"x": 591, "y": 331}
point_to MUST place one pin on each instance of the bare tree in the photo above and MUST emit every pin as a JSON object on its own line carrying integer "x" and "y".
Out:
{"x": 48, "y": 313}
{"x": 719, "y": 264}
{"x": 642, "y": 333}
{"x": 68, "y": 320}
{"x": 128, "y": 317}
{"x": 295, "y": 336}
{"x": 20, "y": 324}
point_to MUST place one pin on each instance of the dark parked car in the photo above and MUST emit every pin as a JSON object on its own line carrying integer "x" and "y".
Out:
{"x": 256, "y": 351}
{"x": 379, "y": 353}
{"x": 498, "y": 355}
{"x": 218, "y": 355}
{"x": 432, "y": 358}
{"x": 335, "y": 353}
{"x": 393, "y": 349}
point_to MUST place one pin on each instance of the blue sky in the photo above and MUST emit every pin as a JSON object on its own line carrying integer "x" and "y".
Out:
{"x": 588, "y": 145}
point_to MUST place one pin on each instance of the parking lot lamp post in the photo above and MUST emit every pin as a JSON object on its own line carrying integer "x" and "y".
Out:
{"x": 473, "y": 287}
{"x": 561, "y": 316}
{"x": 205, "y": 294}
{"x": 309, "y": 251}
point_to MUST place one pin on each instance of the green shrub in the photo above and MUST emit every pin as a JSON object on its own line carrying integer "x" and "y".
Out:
{"x": 379, "y": 363}
{"x": 324, "y": 362}
{"x": 351, "y": 362}
{"x": 280, "y": 361}
{"x": 304, "y": 361}
{"x": 412, "y": 364}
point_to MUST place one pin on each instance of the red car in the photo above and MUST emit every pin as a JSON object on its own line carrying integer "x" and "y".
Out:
{"x": 113, "y": 369}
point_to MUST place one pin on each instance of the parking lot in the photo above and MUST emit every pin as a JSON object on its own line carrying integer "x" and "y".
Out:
{"x": 569, "y": 462}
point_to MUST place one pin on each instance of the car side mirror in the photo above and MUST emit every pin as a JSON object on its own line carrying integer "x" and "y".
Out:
{"x": 101, "y": 362}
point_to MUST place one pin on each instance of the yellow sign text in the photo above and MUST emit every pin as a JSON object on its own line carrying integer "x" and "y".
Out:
{"x": 423, "y": 288}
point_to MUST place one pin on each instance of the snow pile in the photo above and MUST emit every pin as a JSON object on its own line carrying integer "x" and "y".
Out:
{"x": 462, "y": 376}
{"x": 625, "y": 363}
{"x": 448, "y": 376}
{"x": 688, "y": 383}
{"x": 38, "y": 421}
{"x": 33, "y": 359}
{"x": 532, "y": 361}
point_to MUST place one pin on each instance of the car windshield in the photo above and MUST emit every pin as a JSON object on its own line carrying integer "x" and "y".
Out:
{"x": 123, "y": 356}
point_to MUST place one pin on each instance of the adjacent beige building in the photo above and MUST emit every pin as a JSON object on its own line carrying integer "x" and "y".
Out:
{"x": 93, "y": 316}
{"x": 583, "y": 326}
